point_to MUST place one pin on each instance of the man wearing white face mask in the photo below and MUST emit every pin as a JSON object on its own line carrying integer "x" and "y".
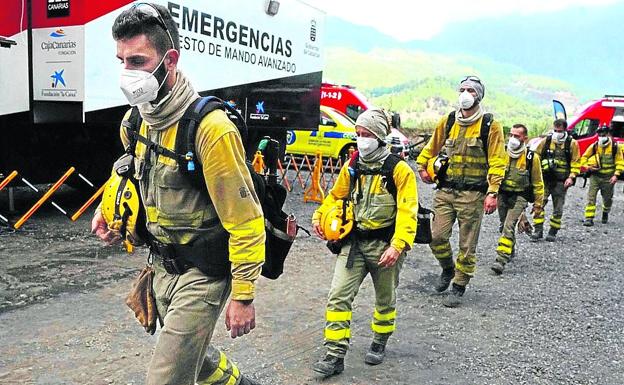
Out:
{"x": 180, "y": 215}
{"x": 522, "y": 184}
{"x": 382, "y": 188}
{"x": 474, "y": 144}
{"x": 560, "y": 166}
{"x": 603, "y": 160}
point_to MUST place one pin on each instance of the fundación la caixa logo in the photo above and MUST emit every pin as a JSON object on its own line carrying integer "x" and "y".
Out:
{"x": 58, "y": 8}
{"x": 57, "y": 77}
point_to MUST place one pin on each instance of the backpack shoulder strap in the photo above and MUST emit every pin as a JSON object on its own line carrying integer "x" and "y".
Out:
{"x": 387, "y": 170}
{"x": 187, "y": 129}
{"x": 546, "y": 146}
{"x": 486, "y": 123}
{"x": 132, "y": 126}
{"x": 568, "y": 151}
{"x": 529, "y": 161}
{"x": 450, "y": 121}
{"x": 614, "y": 149}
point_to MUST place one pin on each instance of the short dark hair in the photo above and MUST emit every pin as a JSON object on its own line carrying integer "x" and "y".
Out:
{"x": 133, "y": 22}
{"x": 560, "y": 123}
{"x": 525, "y": 131}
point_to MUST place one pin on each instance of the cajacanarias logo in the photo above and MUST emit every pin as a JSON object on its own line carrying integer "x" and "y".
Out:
{"x": 58, "y": 33}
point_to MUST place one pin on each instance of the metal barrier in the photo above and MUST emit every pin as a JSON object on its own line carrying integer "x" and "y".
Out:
{"x": 46, "y": 197}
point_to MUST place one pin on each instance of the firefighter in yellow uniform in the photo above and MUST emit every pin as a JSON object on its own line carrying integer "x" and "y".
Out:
{"x": 522, "y": 184}
{"x": 473, "y": 145}
{"x": 382, "y": 188}
{"x": 561, "y": 163}
{"x": 188, "y": 225}
{"x": 603, "y": 160}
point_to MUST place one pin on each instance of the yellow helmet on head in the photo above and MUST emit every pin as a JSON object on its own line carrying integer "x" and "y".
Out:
{"x": 122, "y": 210}
{"x": 337, "y": 221}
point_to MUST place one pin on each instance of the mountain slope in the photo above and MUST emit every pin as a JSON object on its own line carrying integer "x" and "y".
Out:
{"x": 423, "y": 86}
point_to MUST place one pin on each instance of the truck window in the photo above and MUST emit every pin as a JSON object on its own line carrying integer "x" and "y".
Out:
{"x": 586, "y": 127}
{"x": 326, "y": 120}
{"x": 618, "y": 123}
{"x": 353, "y": 111}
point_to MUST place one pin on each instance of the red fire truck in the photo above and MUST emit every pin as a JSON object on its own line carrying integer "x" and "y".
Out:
{"x": 604, "y": 111}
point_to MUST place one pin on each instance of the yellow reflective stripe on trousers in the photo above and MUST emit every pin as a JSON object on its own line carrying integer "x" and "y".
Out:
{"x": 538, "y": 221}
{"x": 220, "y": 371}
{"x": 337, "y": 335}
{"x": 555, "y": 223}
{"x": 504, "y": 249}
{"x": 337, "y": 316}
{"x": 385, "y": 317}
{"x": 383, "y": 329}
{"x": 505, "y": 241}
{"x": 505, "y": 245}
{"x": 235, "y": 371}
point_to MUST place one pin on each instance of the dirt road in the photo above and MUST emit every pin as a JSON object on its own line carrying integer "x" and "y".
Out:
{"x": 554, "y": 317}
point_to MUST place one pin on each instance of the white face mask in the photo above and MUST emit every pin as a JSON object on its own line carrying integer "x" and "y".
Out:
{"x": 140, "y": 86}
{"x": 514, "y": 144}
{"x": 559, "y": 136}
{"x": 603, "y": 140}
{"x": 466, "y": 100}
{"x": 366, "y": 145}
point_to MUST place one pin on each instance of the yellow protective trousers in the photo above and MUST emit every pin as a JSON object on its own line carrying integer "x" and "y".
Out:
{"x": 467, "y": 208}
{"x": 596, "y": 184}
{"x": 510, "y": 207}
{"x": 558, "y": 194}
{"x": 345, "y": 285}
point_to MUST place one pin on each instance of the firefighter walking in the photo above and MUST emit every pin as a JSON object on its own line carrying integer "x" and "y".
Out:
{"x": 559, "y": 154}
{"x": 469, "y": 145}
{"x": 604, "y": 162}
{"x": 379, "y": 190}
{"x": 522, "y": 184}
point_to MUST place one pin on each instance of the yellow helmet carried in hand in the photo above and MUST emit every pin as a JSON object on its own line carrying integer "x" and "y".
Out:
{"x": 337, "y": 221}
{"x": 122, "y": 210}
{"x": 436, "y": 167}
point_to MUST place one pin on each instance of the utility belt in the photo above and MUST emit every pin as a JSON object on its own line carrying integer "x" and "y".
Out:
{"x": 383, "y": 234}
{"x": 526, "y": 194}
{"x": 206, "y": 256}
{"x": 461, "y": 186}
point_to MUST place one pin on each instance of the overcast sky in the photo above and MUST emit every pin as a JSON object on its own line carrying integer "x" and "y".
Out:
{"x": 413, "y": 19}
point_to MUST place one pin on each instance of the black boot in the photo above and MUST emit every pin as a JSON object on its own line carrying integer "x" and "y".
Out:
{"x": 247, "y": 381}
{"x": 329, "y": 365}
{"x": 588, "y": 222}
{"x": 605, "y": 217}
{"x": 552, "y": 233}
{"x": 537, "y": 235}
{"x": 375, "y": 354}
{"x": 454, "y": 298}
{"x": 445, "y": 279}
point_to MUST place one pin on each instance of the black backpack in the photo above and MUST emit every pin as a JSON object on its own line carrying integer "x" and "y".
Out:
{"x": 272, "y": 196}
{"x": 529, "y": 194}
{"x": 486, "y": 123}
{"x": 547, "y": 154}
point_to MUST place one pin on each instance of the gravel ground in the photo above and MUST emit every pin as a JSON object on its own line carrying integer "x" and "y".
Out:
{"x": 554, "y": 317}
